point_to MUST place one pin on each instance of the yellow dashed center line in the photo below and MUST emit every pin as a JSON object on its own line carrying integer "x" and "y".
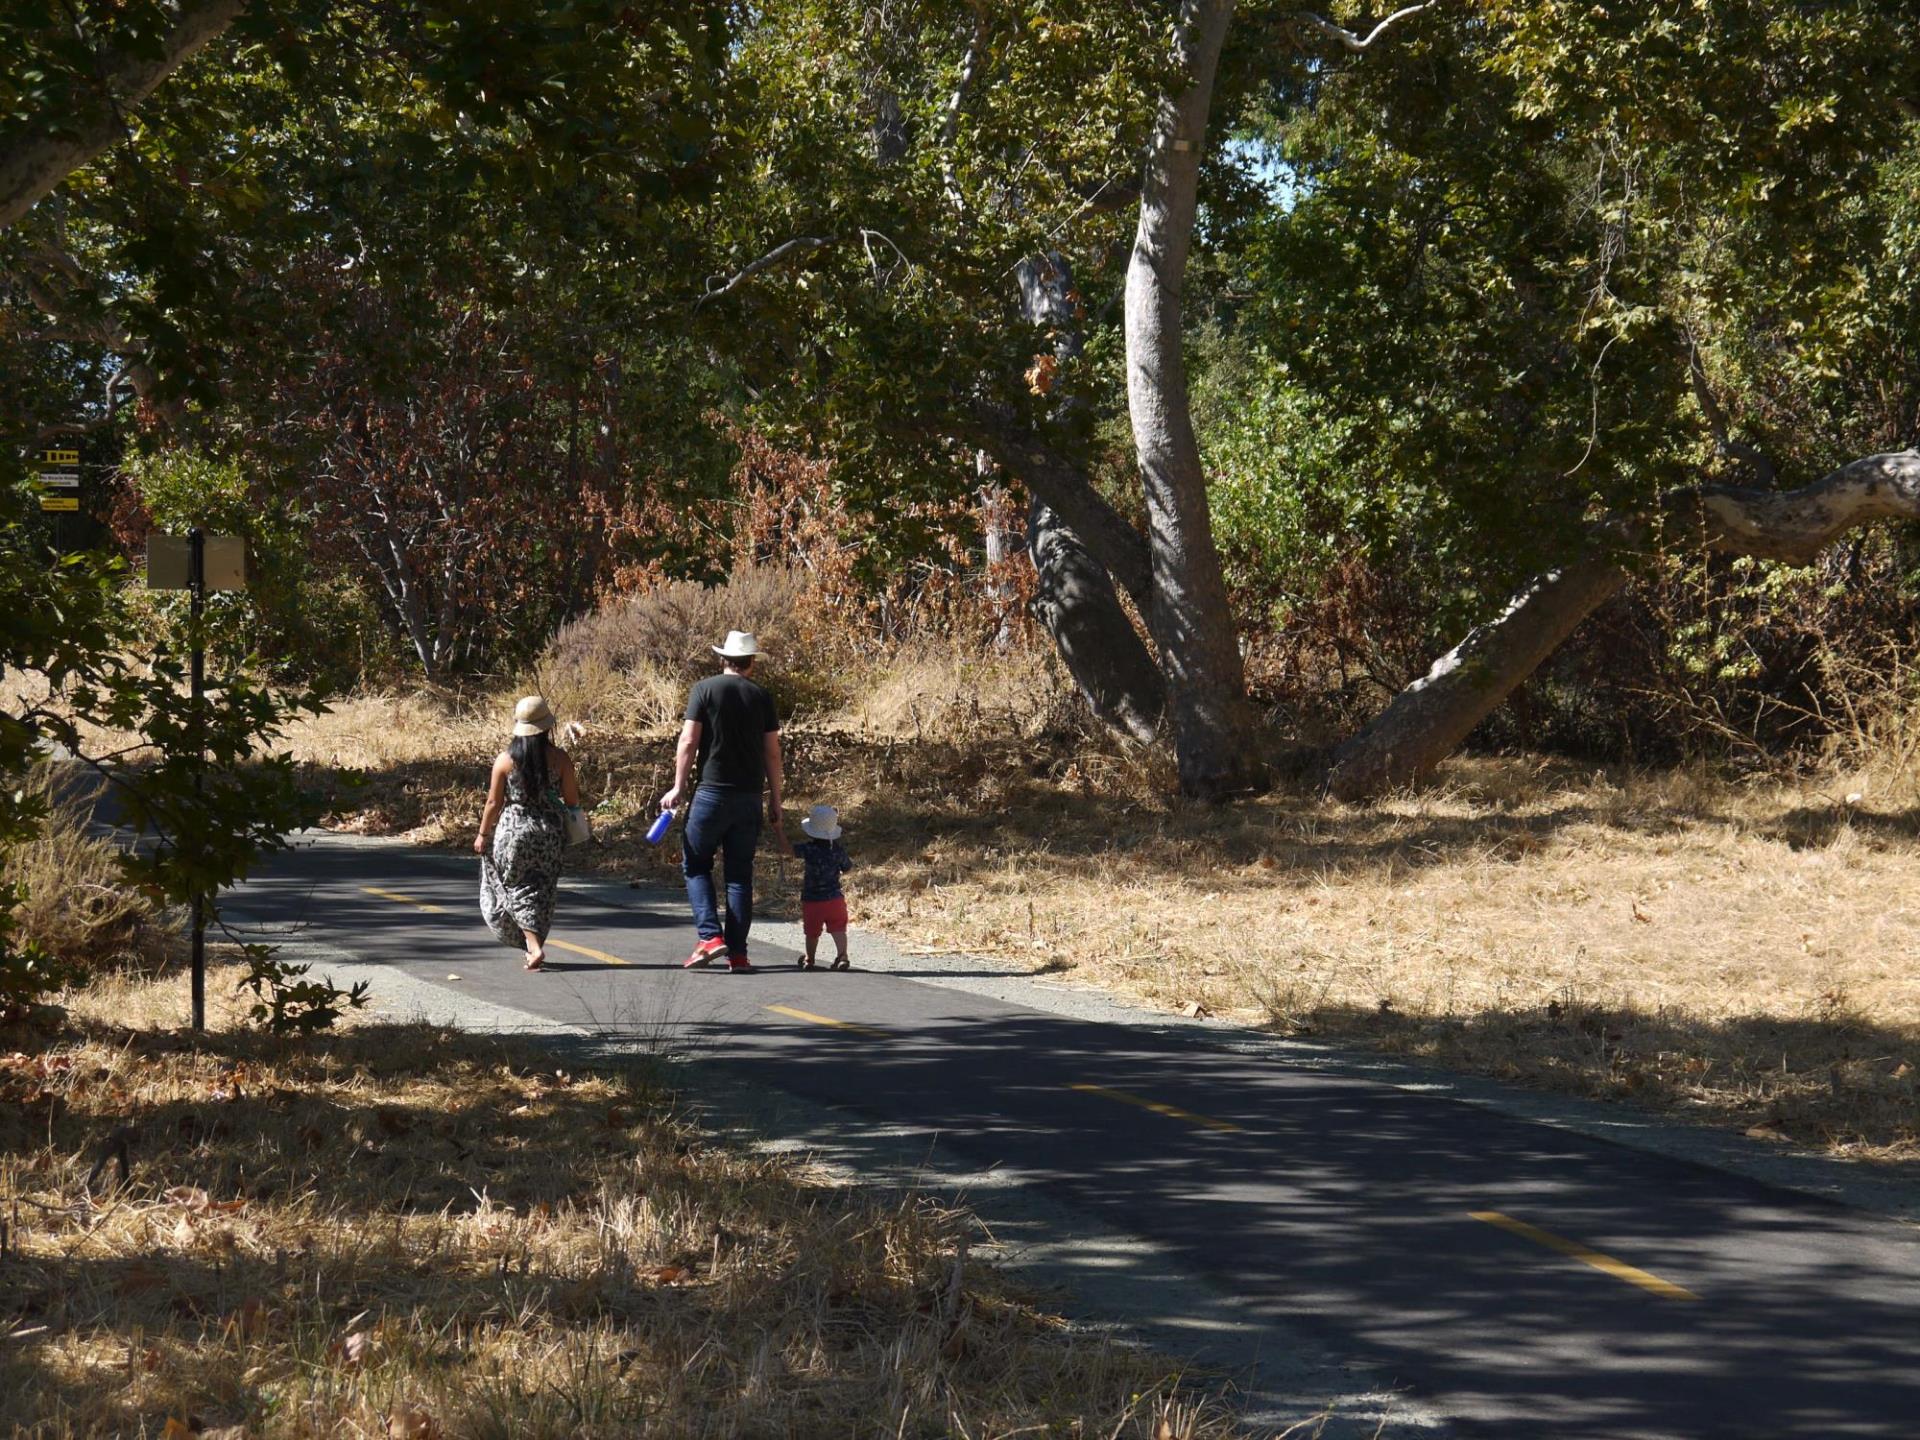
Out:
{"x": 1172, "y": 1112}
{"x": 405, "y": 900}
{"x": 586, "y": 950}
{"x": 1619, "y": 1269}
{"x": 814, "y": 1019}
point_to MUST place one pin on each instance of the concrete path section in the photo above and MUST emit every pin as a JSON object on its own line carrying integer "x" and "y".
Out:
{"x": 1500, "y": 1275}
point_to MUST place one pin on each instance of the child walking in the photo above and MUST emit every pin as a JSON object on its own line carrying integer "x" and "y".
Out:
{"x": 823, "y": 905}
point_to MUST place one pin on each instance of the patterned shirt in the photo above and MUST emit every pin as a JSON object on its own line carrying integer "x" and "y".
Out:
{"x": 826, "y": 862}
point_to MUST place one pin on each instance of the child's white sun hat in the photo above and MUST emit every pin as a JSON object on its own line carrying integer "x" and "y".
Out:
{"x": 822, "y": 823}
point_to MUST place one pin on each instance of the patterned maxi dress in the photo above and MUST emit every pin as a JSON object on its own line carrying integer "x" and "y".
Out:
{"x": 520, "y": 871}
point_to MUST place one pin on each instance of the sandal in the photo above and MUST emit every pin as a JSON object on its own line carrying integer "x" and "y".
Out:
{"x": 533, "y": 965}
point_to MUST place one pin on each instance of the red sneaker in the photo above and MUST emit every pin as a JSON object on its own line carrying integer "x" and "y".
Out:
{"x": 739, "y": 965}
{"x": 705, "y": 953}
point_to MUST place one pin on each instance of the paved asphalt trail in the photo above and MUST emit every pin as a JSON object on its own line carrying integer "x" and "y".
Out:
{"x": 1520, "y": 1279}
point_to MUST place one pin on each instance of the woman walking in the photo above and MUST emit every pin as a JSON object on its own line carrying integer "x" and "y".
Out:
{"x": 523, "y": 831}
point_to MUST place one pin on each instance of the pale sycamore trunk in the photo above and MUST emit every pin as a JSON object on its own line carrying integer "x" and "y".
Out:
{"x": 1188, "y": 617}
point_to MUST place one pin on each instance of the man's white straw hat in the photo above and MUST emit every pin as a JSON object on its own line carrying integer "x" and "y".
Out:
{"x": 532, "y": 716}
{"x": 740, "y": 646}
{"x": 822, "y": 823}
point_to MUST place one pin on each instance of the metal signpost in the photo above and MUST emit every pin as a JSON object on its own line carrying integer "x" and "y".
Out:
{"x": 197, "y": 563}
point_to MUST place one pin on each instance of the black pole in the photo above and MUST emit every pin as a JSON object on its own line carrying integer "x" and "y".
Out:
{"x": 197, "y": 590}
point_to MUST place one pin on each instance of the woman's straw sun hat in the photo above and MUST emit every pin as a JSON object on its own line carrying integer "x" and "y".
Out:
{"x": 532, "y": 716}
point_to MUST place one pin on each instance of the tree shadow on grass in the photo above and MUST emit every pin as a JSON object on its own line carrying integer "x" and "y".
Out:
{"x": 1835, "y": 1082}
{"x": 513, "y": 1231}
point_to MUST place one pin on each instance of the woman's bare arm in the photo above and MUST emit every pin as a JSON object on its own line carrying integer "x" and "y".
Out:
{"x": 496, "y": 802}
{"x": 569, "y": 778}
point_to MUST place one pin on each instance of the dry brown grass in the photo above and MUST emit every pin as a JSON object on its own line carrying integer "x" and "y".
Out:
{"x": 1741, "y": 954}
{"x": 74, "y": 903}
{"x": 406, "y": 1231}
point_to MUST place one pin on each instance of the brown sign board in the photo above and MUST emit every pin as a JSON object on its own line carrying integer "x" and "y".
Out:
{"x": 170, "y": 562}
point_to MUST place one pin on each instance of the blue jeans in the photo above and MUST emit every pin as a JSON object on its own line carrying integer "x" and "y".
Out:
{"x": 726, "y": 820}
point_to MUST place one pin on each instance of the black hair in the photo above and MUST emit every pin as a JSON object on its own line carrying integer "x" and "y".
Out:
{"x": 529, "y": 754}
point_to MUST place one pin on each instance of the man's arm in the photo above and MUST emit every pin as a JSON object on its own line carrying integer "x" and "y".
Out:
{"x": 776, "y": 780}
{"x": 683, "y": 758}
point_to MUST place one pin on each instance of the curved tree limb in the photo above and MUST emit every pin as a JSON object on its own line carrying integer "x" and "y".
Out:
{"x": 1796, "y": 525}
{"x": 1429, "y": 719}
{"x": 31, "y": 169}
{"x": 54, "y": 283}
{"x": 1352, "y": 39}
{"x": 718, "y": 285}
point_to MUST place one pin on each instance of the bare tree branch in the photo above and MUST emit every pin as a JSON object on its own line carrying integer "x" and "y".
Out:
{"x": 950, "y": 126}
{"x": 718, "y": 285}
{"x": 1352, "y": 39}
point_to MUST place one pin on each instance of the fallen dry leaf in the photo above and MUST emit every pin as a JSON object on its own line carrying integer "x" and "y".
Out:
{"x": 1194, "y": 1010}
{"x": 190, "y": 1198}
{"x": 1766, "y": 1132}
{"x": 356, "y": 1348}
{"x": 672, "y": 1274}
{"x": 176, "y": 1430}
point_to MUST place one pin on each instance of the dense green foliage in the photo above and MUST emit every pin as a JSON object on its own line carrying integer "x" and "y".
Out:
{"x": 457, "y": 310}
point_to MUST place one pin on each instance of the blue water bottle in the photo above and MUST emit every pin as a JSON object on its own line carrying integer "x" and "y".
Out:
{"x": 657, "y": 831}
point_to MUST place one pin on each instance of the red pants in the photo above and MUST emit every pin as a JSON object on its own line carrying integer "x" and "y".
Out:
{"x": 827, "y": 915}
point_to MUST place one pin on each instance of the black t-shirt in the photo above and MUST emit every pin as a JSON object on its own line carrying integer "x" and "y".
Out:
{"x": 735, "y": 717}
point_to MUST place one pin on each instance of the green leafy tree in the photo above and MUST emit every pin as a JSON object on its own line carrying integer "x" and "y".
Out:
{"x": 83, "y": 676}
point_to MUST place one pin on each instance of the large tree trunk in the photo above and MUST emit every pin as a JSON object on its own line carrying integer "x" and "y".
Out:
{"x": 1075, "y": 602}
{"x": 32, "y": 169}
{"x": 1426, "y": 721}
{"x": 1189, "y": 617}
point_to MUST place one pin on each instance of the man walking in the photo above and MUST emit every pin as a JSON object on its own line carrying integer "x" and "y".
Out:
{"x": 733, "y": 736}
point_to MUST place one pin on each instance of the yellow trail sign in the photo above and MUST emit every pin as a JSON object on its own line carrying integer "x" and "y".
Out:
{"x": 66, "y": 503}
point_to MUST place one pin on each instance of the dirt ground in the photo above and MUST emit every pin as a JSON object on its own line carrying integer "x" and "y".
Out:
{"x": 1742, "y": 954}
